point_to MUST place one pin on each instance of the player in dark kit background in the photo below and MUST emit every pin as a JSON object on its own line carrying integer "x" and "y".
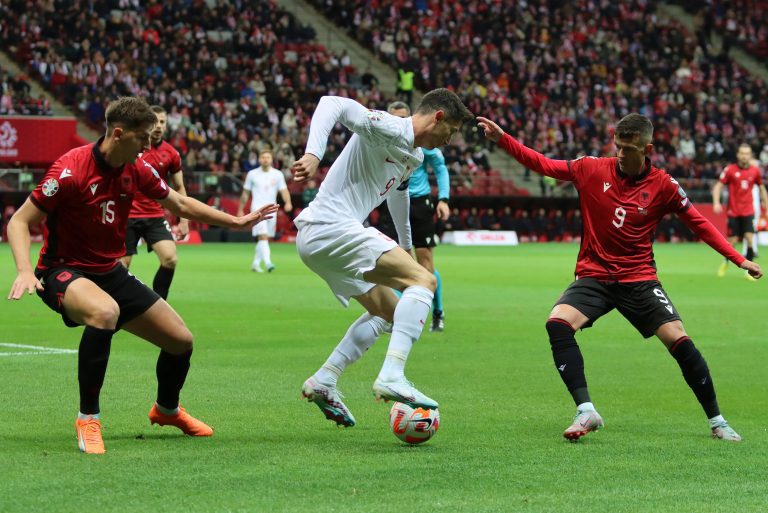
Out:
{"x": 622, "y": 200}
{"x": 147, "y": 217}
{"x": 85, "y": 198}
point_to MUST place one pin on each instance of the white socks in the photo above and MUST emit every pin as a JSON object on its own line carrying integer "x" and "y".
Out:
{"x": 716, "y": 421}
{"x": 263, "y": 253}
{"x": 586, "y": 407}
{"x": 359, "y": 338}
{"x": 410, "y": 316}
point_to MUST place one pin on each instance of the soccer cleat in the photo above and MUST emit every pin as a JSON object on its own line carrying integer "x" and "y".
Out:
{"x": 725, "y": 432}
{"x": 270, "y": 268}
{"x": 402, "y": 391}
{"x": 257, "y": 269}
{"x": 89, "y": 436}
{"x": 182, "y": 420}
{"x": 749, "y": 277}
{"x": 583, "y": 423}
{"x": 328, "y": 399}
{"x": 722, "y": 269}
{"x": 438, "y": 323}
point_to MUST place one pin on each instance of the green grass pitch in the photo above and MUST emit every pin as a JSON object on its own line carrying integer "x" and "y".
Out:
{"x": 503, "y": 407}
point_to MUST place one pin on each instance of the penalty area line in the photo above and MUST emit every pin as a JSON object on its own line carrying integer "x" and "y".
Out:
{"x": 33, "y": 350}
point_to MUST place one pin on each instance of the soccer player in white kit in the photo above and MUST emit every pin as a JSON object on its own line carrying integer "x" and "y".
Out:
{"x": 362, "y": 263}
{"x": 260, "y": 183}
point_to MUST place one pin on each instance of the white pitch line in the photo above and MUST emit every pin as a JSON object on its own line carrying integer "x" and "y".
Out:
{"x": 36, "y": 350}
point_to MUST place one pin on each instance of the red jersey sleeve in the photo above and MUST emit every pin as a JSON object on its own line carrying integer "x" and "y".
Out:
{"x": 149, "y": 182}
{"x": 559, "y": 169}
{"x": 175, "y": 162}
{"x": 709, "y": 234}
{"x": 57, "y": 184}
{"x": 725, "y": 176}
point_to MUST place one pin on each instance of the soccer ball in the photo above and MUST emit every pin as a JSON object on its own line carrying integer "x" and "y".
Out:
{"x": 413, "y": 425}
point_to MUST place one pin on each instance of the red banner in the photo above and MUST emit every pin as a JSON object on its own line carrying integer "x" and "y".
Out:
{"x": 36, "y": 140}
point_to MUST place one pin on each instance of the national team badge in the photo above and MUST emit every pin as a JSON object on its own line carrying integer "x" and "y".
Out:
{"x": 645, "y": 199}
{"x": 50, "y": 187}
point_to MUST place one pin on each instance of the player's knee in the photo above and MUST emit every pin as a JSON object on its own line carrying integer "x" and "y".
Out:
{"x": 560, "y": 332}
{"x": 169, "y": 261}
{"x": 182, "y": 342}
{"x": 426, "y": 279}
{"x": 103, "y": 316}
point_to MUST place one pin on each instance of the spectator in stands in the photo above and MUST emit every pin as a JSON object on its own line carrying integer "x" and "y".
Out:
{"x": 489, "y": 221}
{"x": 524, "y": 226}
{"x": 454, "y": 221}
{"x": 472, "y": 222}
{"x": 557, "y": 226}
{"x": 507, "y": 219}
{"x": 539, "y": 223}
{"x": 309, "y": 192}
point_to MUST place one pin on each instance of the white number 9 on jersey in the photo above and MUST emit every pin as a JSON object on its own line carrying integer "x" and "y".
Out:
{"x": 621, "y": 215}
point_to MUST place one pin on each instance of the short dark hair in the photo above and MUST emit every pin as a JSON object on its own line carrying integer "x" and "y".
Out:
{"x": 129, "y": 112}
{"x": 635, "y": 124}
{"x": 447, "y": 101}
{"x": 398, "y": 105}
{"x": 157, "y": 109}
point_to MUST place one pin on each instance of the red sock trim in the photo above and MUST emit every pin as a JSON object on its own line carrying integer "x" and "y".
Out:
{"x": 561, "y": 321}
{"x": 678, "y": 342}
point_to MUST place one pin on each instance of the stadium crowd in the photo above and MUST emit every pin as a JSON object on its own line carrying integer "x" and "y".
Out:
{"x": 17, "y": 100}
{"x": 237, "y": 77}
{"x": 558, "y": 78}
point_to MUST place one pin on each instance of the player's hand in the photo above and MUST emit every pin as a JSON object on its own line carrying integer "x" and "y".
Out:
{"x": 258, "y": 215}
{"x": 493, "y": 132}
{"x": 752, "y": 268}
{"x": 183, "y": 228}
{"x": 288, "y": 207}
{"x": 305, "y": 168}
{"x": 25, "y": 282}
{"x": 442, "y": 210}
{"x": 717, "y": 209}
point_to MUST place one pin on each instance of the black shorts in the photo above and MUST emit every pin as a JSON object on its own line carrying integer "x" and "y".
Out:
{"x": 151, "y": 229}
{"x": 422, "y": 219}
{"x": 133, "y": 297}
{"x": 739, "y": 225}
{"x": 423, "y": 222}
{"x": 643, "y": 303}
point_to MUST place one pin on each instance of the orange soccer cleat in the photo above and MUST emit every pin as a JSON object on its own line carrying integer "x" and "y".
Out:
{"x": 182, "y": 420}
{"x": 89, "y": 436}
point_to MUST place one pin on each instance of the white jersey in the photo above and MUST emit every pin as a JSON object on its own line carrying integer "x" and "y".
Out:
{"x": 263, "y": 186}
{"x": 377, "y": 161}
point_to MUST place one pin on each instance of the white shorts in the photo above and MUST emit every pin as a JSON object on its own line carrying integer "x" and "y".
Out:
{"x": 341, "y": 253}
{"x": 266, "y": 227}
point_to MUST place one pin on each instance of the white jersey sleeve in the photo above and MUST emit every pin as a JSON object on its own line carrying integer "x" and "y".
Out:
{"x": 399, "y": 205}
{"x": 248, "y": 185}
{"x": 370, "y": 125}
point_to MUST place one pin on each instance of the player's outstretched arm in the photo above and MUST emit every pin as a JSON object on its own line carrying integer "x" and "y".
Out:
{"x": 707, "y": 232}
{"x": 19, "y": 240}
{"x": 177, "y": 182}
{"x": 184, "y": 206}
{"x": 531, "y": 159}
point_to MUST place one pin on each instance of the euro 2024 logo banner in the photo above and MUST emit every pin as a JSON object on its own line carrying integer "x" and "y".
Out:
{"x": 8, "y": 138}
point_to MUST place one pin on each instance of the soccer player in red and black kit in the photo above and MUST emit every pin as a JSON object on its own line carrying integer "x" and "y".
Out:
{"x": 741, "y": 179}
{"x": 622, "y": 199}
{"x": 84, "y": 199}
{"x": 147, "y": 217}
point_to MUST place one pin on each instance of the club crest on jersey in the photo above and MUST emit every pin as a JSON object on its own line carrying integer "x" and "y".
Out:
{"x": 374, "y": 115}
{"x": 50, "y": 187}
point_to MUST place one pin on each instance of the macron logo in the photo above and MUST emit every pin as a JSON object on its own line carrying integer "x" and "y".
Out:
{"x": 67, "y": 172}
{"x": 562, "y": 367}
{"x": 606, "y": 186}
{"x": 668, "y": 308}
{"x": 93, "y": 189}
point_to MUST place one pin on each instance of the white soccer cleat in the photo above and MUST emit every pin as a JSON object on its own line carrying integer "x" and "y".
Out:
{"x": 257, "y": 269}
{"x": 402, "y": 391}
{"x": 725, "y": 432}
{"x": 328, "y": 399}
{"x": 583, "y": 423}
